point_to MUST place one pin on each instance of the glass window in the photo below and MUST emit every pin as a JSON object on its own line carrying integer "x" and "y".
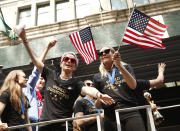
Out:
{"x": 25, "y": 17}
{"x": 170, "y": 84}
{"x": 118, "y": 4}
{"x": 43, "y": 15}
{"x": 82, "y": 8}
{"x": 141, "y": 2}
{"x": 160, "y": 0}
{"x": 178, "y": 83}
{"x": 63, "y": 11}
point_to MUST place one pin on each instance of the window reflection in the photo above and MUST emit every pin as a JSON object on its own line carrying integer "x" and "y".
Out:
{"x": 118, "y": 4}
{"x": 25, "y": 17}
{"x": 82, "y": 8}
{"x": 161, "y": 0}
{"x": 141, "y": 2}
{"x": 43, "y": 15}
{"x": 63, "y": 11}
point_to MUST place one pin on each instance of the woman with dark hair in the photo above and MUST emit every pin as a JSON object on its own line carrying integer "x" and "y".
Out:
{"x": 13, "y": 103}
{"x": 86, "y": 106}
{"x": 61, "y": 90}
{"x": 116, "y": 79}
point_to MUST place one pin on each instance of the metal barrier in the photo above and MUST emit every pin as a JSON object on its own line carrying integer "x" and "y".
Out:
{"x": 167, "y": 107}
{"x": 150, "y": 122}
{"x": 151, "y": 126}
{"x": 98, "y": 119}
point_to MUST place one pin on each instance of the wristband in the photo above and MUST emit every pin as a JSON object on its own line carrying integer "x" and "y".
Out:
{"x": 25, "y": 41}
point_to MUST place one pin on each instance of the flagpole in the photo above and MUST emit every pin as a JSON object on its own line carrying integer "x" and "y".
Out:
{"x": 1, "y": 13}
{"x": 101, "y": 9}
{"x": 87, "y": 22}
{"x": 126, "y": 26}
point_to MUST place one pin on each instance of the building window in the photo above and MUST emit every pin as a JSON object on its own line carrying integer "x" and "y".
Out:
{"x": 141, "y": 2}
{"x": 118, "y": 4}
{"x": 82, "y": 8}
{"x": 170, "y": 84}
{"x": 43, "y": 16}
{"x": 178, "y": 83}
{"x": 25, "y": 17}
{"x": 63, "y": 11}
{"x": 160, "y": 0}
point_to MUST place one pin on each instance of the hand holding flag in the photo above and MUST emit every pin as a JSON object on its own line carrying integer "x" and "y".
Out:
{"x": 144, "y": 31}
{"x": 18, "y": 29}
{"x": 84, "y": 44}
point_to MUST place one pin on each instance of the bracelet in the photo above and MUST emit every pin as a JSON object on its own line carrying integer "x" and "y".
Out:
{"x": 25, "y": 41}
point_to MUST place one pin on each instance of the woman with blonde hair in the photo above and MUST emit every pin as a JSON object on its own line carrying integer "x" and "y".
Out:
{"x": 117, "y": 80}
{"x": 13, "y": 103}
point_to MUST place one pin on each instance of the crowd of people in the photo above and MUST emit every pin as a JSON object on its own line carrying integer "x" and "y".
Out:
{"x": 114, "y": 87}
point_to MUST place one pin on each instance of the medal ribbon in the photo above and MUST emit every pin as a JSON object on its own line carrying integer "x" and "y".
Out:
{"x": 23, "y": 106}
{"x": 98, "y": 110}
{"x": 111, "y": 78}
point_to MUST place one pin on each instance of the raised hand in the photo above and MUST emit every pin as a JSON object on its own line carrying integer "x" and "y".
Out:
{"x": 3, "y": 127}
{"x": 116, "y": 59}
{"x": 51, "y": 44}
{"x": 161, "y": 67}
{"x": 160, "y": 78}
{"x": 22, "y": 35}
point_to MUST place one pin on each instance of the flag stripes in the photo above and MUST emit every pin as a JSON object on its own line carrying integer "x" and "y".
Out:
{"x": 141, "y": 41}
{"x": 144, "y": 31}
{"x": 84, "y": 44}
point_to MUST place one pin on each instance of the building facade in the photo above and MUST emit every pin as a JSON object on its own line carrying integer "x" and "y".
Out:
{"x": 53, "y": 19}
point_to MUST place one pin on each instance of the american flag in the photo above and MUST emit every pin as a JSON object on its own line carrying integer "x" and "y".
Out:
{"x": 144, "y": 31}
{"x": 84, "y": 44}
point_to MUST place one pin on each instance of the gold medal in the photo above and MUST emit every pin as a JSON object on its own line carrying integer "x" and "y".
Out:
{"x": 112, "y": 86}
{"x": 22, "y": 116}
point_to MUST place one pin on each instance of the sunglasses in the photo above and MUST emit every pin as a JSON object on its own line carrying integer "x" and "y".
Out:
{"x": 72, "y": 60}
{"x": 107, "y": 51}
{"x": 89, "y": 84}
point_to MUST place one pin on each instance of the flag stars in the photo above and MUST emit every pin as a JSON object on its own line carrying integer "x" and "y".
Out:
{"x": 85, "y": 35}
{"x": 138, "y": 21}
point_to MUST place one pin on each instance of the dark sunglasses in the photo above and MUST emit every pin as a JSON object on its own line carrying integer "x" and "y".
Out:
{"x": 72, "y": 60}
{"x": 89, "y": 84}
{"x": 107, "y": 51}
